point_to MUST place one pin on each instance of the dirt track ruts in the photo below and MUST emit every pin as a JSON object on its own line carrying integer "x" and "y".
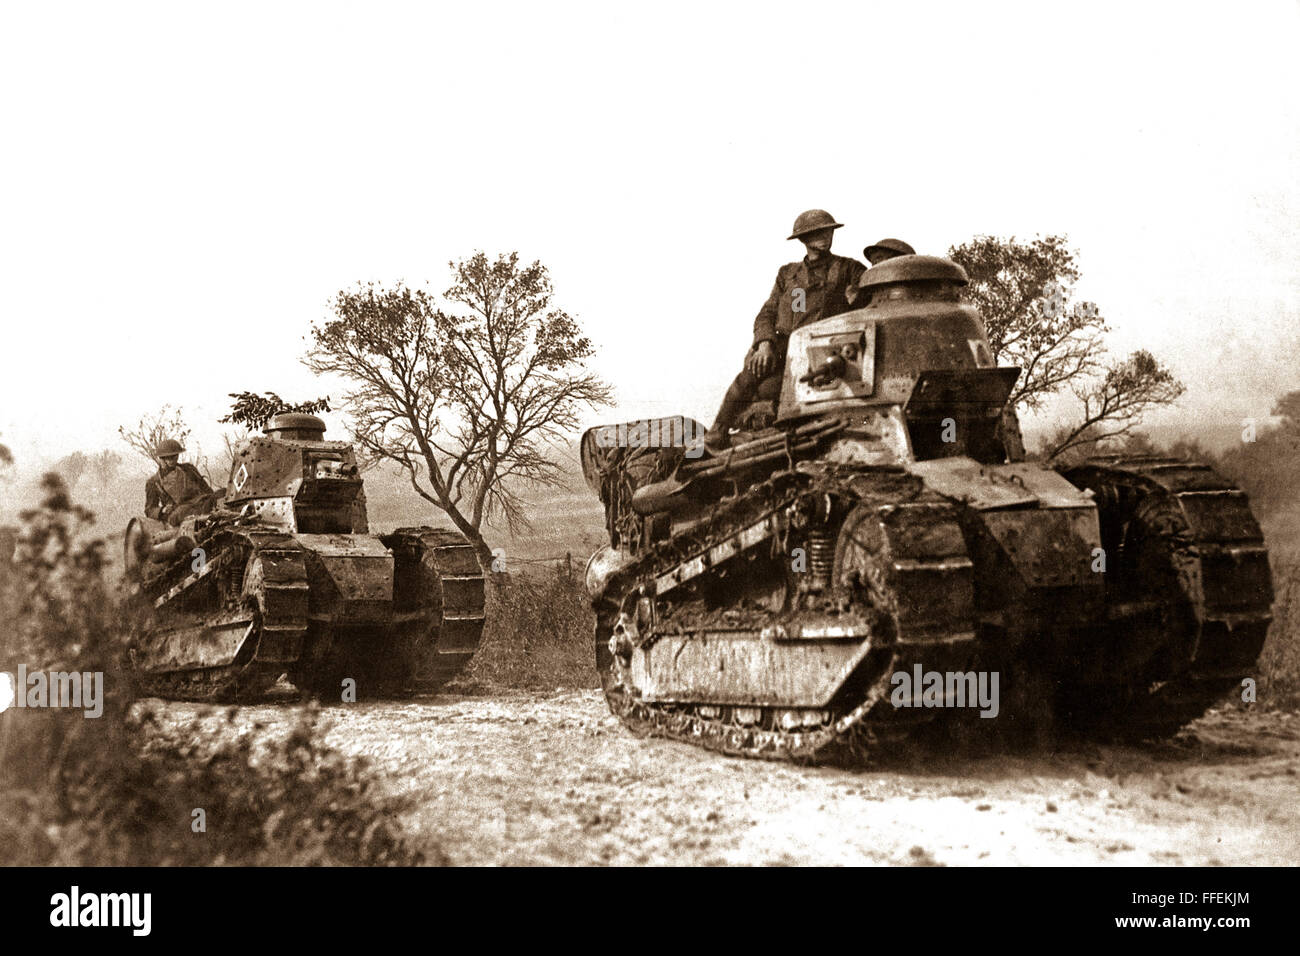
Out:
{"x": 527, "y": 778}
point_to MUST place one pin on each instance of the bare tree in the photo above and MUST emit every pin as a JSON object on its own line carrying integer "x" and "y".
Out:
{"x": 144, "y": 436}
{"x": 465, "y": 401}
{"x": 1024, "y": 292}
{"x": 104, "y": 467}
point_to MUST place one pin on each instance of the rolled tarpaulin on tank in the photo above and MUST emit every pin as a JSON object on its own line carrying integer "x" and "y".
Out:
{"x": 147, "y": 539}
{"x": 619, "y": 459}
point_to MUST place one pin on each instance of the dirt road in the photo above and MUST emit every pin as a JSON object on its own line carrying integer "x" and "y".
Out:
{"x": 553, "y": 779}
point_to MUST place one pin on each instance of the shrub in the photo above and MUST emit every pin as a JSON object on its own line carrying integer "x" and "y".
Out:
{"x": 538, "y": 635}
{"x": 120, "y": 789}
{"x": 1279, "y": 662}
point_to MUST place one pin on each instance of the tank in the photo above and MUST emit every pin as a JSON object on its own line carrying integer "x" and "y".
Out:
{"x": 852, "y": 572}
{"x": 284, "y": 578}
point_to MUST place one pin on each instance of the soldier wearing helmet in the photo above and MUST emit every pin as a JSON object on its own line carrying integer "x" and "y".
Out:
{"x": 886, "y": 249}
{"x": 177, "y": 490}
{"x": 817, "y": 287}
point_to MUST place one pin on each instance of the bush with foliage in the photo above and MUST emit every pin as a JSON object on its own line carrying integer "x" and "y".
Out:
{"x": 121, "y": 789}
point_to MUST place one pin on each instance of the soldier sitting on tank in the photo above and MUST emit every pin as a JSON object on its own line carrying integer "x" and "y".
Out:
{"x": 177, "y": 491}
{"x": 817, "y": 287}
{"x": 878, "y": 252}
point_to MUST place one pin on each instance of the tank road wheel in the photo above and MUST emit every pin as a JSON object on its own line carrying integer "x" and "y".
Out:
{"x": 1188, "y": 597}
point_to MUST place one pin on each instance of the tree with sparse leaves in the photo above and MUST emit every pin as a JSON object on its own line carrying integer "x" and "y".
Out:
{"x": 71, "y": 467}
{"x": 167, "y": 422}
{"x": 463, "y": 400}
{"x": 1113, "y": 405}
{"x": 144, "y": 436}
{"x": 1024, "y": 292}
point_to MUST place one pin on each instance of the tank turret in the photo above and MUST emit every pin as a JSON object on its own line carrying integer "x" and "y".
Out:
{"x": 292, "y": 478}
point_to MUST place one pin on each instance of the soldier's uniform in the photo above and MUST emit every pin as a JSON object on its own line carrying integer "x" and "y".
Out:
{"x": 829, "y": 286}
{"x": 804, "y": 292}
{"x": 180, "y": 492}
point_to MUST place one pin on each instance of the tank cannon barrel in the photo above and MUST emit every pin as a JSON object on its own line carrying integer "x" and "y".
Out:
{"x": 831, "y": 368}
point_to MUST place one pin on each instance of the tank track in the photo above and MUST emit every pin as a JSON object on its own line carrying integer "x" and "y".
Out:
{"x": 280, "y": 615}
{"x": 437, "y": 623}
{"x": 436, "y": 630}
{"x": 460, "y": 610}
{"x": 1222, "y": 572}
{"x": 925, "y": 552}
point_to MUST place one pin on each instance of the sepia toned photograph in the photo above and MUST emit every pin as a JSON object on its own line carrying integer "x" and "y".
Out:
{"x": 676, "y": 435}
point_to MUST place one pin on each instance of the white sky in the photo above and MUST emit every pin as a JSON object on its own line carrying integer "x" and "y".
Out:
{"x": 186, "y": 186}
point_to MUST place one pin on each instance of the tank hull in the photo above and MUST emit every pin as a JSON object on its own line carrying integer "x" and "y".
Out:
{"x": 344, "y": 616}
{"x": 805, "y": 615}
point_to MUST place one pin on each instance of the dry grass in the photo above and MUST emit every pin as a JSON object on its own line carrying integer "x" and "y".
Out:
{"x": 1279, "y": 663}
{"x": 538, "y": 635}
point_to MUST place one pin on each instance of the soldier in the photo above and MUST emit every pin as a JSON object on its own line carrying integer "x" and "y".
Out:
{"x": 177, "y": 490}
{"x": 817, "y": 287}
{"x": 887, "y": 249}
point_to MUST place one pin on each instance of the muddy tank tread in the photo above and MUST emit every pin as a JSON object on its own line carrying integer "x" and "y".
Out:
{"x": 1227, "y": 577}
{"x": 1170, "y": 707}
{"x": 279, "y": 620}
{"x": 461, "y": 611}
{"x": 926, "y": 550}
{"x": 217, "y": 685}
